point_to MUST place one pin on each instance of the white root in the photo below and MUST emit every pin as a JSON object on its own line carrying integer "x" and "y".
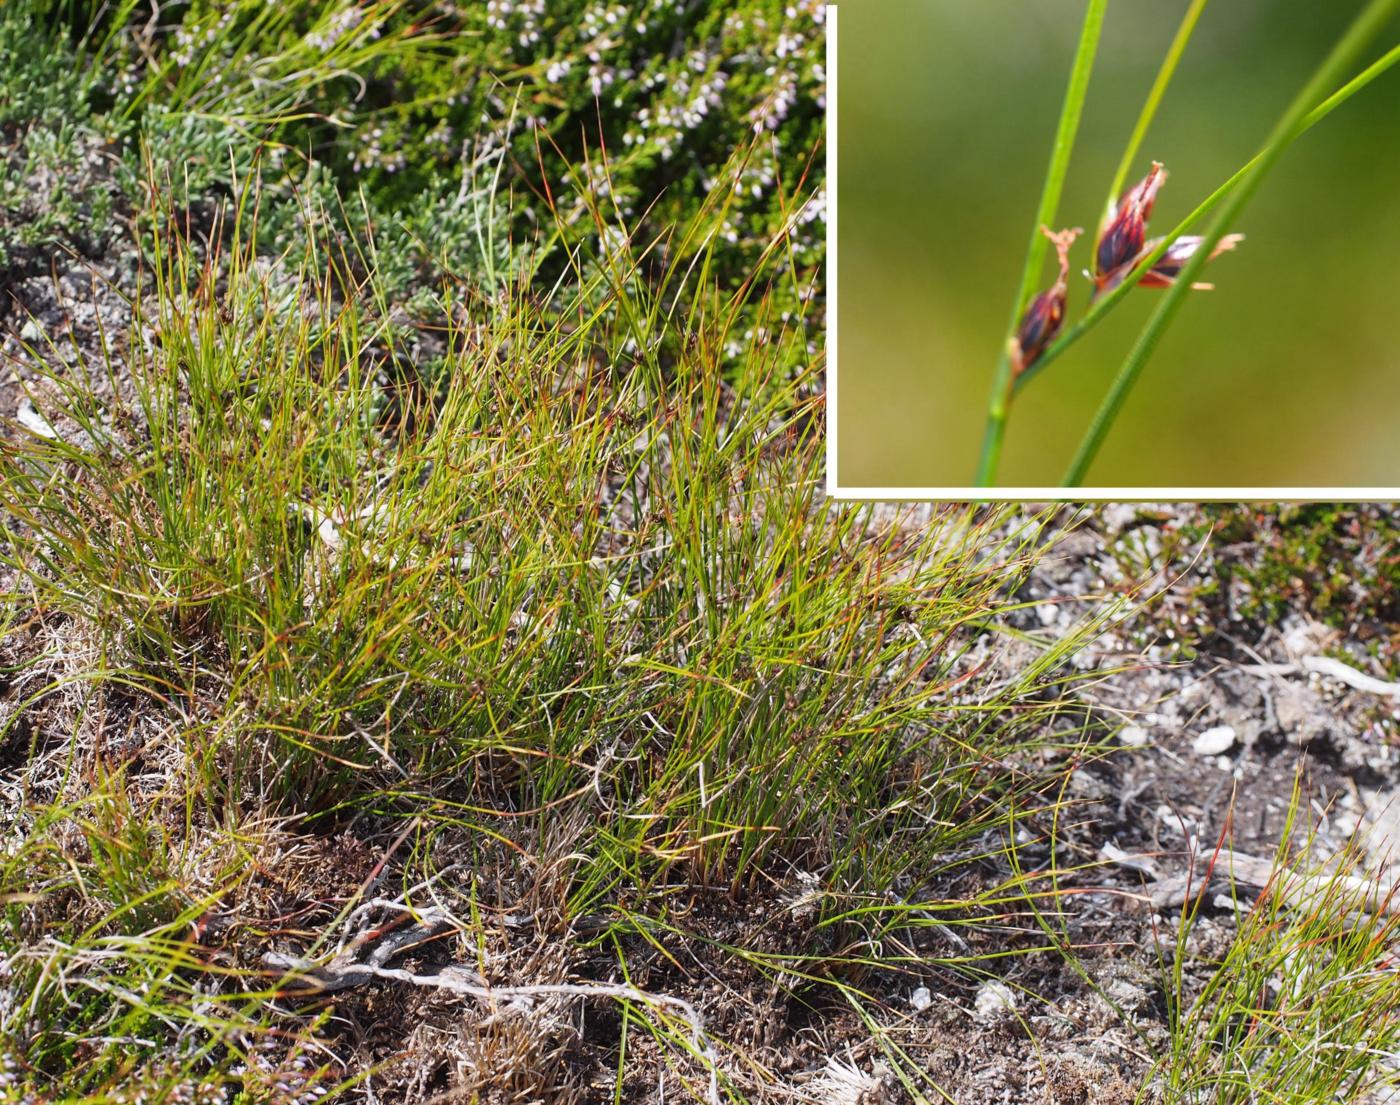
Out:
{"x": 1300, "y": 891}
{"x": 1325, "y": 665}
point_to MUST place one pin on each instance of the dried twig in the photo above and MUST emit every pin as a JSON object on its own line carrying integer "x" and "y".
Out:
{"x": 1300, "y": 891}
{"x": 463, "y": 980}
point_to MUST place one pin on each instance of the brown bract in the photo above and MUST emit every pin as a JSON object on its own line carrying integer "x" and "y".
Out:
{"x": 1164, "y": 273}
{"x": 1121, "y": 239}
{"x": 1044, "y": 316}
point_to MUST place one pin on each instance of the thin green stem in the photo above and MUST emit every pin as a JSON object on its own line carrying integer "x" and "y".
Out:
{"x": 1363, "y": 29}
{"x": 1070, "y": 114}
{"x": 1154, "y": 99}
{"x": 1107, "y": 302}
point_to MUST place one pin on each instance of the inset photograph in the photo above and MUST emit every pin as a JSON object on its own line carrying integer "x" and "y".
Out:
{"x": 1120, "y": 250}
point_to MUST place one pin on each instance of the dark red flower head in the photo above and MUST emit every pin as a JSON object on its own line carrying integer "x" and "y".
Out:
{"x": 1043, "y": 317}
{"x": 1121, "y": 239}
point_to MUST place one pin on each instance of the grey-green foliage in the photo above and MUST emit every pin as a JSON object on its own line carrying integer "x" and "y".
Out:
{"x": 459, "y": 230}
{"x": 56, "y": 156}
{"x": 380, "y": 105}
{"x": 671, "y": 89}
{"x": 85, "y": 131}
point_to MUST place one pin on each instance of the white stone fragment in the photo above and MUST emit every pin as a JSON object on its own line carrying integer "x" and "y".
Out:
{"x": 1134, "y": 736}
{"x": 1214, "y": 741}
{"x": 30, "y": 418}
{"x": 921, "y": 999}
{"x": 1118, "y": 516}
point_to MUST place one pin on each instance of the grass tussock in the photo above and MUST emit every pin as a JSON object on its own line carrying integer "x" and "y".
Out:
{"x": 1302, "y": 1004}
{"x": 536, "y": 611}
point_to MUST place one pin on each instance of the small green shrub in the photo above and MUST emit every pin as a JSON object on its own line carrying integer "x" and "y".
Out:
{"x": 669, "y": 89}
{"x": 56, "y": 161}
{"x": 394, "y": 105}
{"x": 1336, "y": 561}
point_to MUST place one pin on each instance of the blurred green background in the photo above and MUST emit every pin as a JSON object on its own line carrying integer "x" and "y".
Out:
{"x": 1287, "y": 375}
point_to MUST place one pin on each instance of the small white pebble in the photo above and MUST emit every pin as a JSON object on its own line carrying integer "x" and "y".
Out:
{"x": 1118, "y": 516}
{"x": 921, "y": 999}
{"x": 1134, "y": 736}
{"x": 1214, "y": 741}
{"x": 30, "y": 418}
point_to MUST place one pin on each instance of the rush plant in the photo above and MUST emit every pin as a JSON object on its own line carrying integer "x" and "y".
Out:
{"x": 567, "y": 620}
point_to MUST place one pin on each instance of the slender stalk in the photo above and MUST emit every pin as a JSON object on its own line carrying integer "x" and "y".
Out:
{"x": 1070, "y": 114}
{"x": 1363, "y": 29}
{"x": 1111, "y": 299}
{"x": 1154, "y": 99}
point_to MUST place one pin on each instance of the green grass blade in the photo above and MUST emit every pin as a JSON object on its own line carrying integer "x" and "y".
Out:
{"x": 1365, "y": 28}
{"x": 1035, "y": 253}
{"x": 1154, "y": 100}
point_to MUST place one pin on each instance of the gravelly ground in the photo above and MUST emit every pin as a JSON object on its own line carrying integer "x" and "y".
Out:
{"x": 1212, "y": 741}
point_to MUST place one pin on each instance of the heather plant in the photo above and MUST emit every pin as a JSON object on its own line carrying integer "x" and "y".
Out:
{"x": 392, "y": 105}
{"x": 670, "y": 89}
{"x": 95, "y": 98}
{"x": 1123, "y": 258}
{"x": 55, "y": 162}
